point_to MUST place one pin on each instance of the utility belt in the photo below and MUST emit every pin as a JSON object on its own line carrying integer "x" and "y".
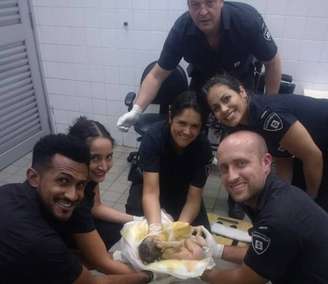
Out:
{"x": 248, "y": 74}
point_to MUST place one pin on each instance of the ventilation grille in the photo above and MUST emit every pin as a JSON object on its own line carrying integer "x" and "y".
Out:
{"x": 9, "y": 13}
{"x": 19, "y": 115}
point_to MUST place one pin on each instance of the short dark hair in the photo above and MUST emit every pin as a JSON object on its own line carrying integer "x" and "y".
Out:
{"x": 84, "y": 129}
{"x": 222, "y": 79}
{"x": 50, "y": 145}
{"x": 187, "y": 99}
{"x": 149, "y": 251}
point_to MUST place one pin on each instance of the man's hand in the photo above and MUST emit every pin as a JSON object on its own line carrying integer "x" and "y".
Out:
{"x": 215, "y": 249}
{"x": 128, "y": 119}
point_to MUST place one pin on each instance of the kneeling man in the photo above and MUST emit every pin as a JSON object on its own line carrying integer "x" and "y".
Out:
{"x": 33, "y": 216}
{"x": 290, "y": 233}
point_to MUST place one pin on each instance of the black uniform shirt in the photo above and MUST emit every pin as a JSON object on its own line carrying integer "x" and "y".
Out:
{"x": 177, "y": 171}
{"x": 272, "y": 116}
{"x": 289, "y": 237}
{"x": 243, "y": 36}
{"x": 82, "y": 220}
{"x": 31, "y": 250}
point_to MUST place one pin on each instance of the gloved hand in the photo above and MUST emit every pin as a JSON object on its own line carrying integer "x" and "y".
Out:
{"x": 155, "y": 232}
{"x": 138, "y": 218}
{"x": 215, "y": 249}
{"x": 128, "y": 119}
{"x": 154, "y": 229}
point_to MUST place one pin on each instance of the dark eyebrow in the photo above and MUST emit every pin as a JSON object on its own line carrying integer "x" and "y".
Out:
{"x": 66, "y": 174}
{"x": 225, "y": 94}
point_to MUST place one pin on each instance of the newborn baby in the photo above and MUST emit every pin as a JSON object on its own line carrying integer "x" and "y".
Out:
{"x": 153, "y": 248}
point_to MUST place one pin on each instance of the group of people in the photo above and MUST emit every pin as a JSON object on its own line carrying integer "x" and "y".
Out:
{"x": 54, "y": 227}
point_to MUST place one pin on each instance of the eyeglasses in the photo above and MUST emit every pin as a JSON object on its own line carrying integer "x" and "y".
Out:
{"x": 198, "y": 5}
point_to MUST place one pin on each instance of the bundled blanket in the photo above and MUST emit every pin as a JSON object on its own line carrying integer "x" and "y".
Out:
{"x": 133, "y": 233}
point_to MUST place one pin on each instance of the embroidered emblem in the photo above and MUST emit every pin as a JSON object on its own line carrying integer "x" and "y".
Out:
{"x": 263, "y": 227}
{"x": 236, "y": 64}
{"x": 266, "y": 33}
{"x": 273, "y": 122}
{"x": 264, "y": 114}
{"x": 260, "y": 242}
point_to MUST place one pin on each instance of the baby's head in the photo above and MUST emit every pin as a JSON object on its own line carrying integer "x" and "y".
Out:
{"x": 149, "y": 251}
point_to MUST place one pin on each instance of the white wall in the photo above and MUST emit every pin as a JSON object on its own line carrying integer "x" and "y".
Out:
{"x": 91, "y": 60}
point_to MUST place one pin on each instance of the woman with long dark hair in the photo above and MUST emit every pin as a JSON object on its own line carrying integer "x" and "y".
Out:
{"x": 295, "y": 127}
{"x": 93, "y": 222}
{"x": 174, "y": 157}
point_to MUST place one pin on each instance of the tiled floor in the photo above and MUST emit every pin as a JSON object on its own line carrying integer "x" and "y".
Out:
{"x": 115, "y": 188}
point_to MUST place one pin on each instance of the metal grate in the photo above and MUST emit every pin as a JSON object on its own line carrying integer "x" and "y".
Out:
{"x": 19, "y": 115}
{"x": 9, "y": 13}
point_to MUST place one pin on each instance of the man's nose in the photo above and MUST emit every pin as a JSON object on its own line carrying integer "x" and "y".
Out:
{"x": 71, "y": 193}
{"x": 203, "y": 10}
{"x": 232, "y": 174}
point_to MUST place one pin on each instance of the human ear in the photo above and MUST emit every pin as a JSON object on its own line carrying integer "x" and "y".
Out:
{"x": 33, "y": 177}
{"x": 267, "y": 161}
{"x": 242, "y": 92}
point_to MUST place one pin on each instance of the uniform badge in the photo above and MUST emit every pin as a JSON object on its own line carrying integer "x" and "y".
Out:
{"x": 266, "y": 33}
{"x": 236, "y": 64}
{"x": 260, "y": 242}
{"x": 273, "y": 122}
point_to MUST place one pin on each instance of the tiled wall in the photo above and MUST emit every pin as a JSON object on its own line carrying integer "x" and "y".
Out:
{"x": 93, "y": 51}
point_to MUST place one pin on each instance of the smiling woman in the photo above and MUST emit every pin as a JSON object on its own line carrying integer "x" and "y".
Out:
{"x": 174, "y": 157}
{"x": 94, "y": 226}
{"x": 93, "y": 214}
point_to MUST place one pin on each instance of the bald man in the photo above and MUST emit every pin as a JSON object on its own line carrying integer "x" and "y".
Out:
{"x": 290, "y": 232}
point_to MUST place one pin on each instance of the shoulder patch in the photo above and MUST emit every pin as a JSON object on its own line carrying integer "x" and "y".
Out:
{"x": 260, "y": 242}
{"x": 273, "y": 122}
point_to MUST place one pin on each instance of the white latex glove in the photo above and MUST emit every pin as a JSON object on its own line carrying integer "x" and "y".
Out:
{"x": 128, "y": 119}
{"x": 215, "y": 249}
{"x": 154, "y": 229}
{"x": 138, "y": 218}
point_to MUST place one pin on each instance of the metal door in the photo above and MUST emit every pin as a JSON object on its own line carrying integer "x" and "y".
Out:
{"x": 23, "y": 109}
